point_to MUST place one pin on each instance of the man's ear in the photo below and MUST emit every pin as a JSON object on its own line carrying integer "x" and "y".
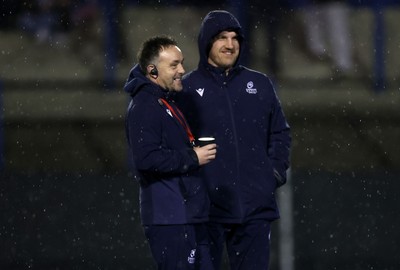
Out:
{"x": 152, "y": 71}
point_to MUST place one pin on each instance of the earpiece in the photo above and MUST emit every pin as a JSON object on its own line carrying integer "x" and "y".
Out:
{"x": 154, "y": 72}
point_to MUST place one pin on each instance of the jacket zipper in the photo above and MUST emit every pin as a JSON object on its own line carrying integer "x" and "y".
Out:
{"x": 235, "y": 138}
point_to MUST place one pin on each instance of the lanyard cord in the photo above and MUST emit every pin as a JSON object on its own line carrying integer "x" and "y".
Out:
{"x": 181, "y": 119}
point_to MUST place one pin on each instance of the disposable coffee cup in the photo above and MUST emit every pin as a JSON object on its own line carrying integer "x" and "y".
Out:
{"x": 202, "y": 141}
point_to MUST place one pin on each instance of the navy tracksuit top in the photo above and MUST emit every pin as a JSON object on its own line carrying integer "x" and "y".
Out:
{"x": 164, "y": 162}
{"x": 242, "y": 111}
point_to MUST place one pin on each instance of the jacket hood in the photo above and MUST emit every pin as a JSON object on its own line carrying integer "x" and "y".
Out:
{"x": 135, "y": 81}
{"x": 214, "y": 23}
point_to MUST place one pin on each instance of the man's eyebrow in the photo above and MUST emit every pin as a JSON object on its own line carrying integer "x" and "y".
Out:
{"x": 224, "y": 35}
{"x": 177, "y": 61}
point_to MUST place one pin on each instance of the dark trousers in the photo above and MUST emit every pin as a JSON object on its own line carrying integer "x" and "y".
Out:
{"x": 247, "y": 245}
{"x": 179, "y": 247}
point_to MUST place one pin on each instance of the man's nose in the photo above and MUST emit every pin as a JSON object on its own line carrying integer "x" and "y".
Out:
{"x": 229, "y": 43}
{"x": 181, "y": 69}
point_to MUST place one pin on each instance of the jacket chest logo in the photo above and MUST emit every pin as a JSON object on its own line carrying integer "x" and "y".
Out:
{"x": 169, "y": 112}
{"x": 250, "y": 88}
{"x": 200, "y": 91}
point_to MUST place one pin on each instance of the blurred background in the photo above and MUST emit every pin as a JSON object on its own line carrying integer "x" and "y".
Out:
{"x": 67, "y": 198}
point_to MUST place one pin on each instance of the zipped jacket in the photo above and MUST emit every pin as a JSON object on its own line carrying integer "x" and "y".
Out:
{"x": 164, "y": 162}
{"x": 242, "y": 111}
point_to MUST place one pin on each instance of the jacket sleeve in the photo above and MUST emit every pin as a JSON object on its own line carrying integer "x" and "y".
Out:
{"x": 279, "y": 142}
{"x": 150, "y": 150}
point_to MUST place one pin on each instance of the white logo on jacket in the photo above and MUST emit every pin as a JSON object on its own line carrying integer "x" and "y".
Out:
{"x": 250, "y": 89}
{"x": 192, "y": 256}
{"x": 200, "y": 91}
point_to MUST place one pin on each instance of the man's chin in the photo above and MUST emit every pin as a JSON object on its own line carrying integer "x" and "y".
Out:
{"x": 178, "y": 87}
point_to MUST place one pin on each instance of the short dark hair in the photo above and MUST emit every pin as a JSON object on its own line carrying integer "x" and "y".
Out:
{"x": 151, "y": 49}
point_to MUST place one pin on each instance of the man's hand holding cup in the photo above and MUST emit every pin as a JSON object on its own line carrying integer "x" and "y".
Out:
{"x": 206, "y": 149}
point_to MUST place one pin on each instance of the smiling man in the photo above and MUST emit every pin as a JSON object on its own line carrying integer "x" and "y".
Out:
{"x": 173, "y": 199}
{"x": 225, "y": 50}
{"x": 240, "y": 109}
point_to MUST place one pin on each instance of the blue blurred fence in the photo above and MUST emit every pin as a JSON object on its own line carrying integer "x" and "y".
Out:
{"x": 378, "y": 7}
{"x": 110, "y": 11}
{"x": 1, "y": 128}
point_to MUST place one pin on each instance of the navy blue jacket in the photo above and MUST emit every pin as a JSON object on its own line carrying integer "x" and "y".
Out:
{"x": 242, "y": 111}
{"x": 171, "y": 192}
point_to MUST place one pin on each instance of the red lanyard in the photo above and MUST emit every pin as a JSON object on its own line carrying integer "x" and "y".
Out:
{"x": 179, "y": 116}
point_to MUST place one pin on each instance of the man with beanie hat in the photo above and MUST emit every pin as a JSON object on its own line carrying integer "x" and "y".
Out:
{"x": 239, "y": 107}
